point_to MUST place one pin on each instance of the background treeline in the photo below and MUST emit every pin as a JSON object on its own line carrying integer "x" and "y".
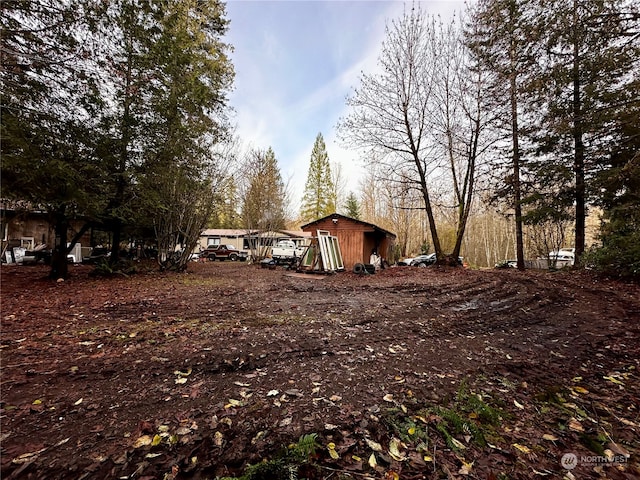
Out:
{"x": 499, "y": 134}
{"x": 526, "y": 110}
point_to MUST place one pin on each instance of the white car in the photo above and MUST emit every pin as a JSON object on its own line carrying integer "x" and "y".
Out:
{"x": 563, "y": 257}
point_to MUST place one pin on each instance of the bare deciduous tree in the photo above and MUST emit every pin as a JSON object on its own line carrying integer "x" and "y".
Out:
{"x": 423, "y": 117}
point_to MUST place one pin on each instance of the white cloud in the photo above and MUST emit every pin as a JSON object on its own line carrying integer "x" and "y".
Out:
{"x": 295, "y": 64}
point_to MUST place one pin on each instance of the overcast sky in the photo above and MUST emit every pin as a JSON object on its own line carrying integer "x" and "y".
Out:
{"x": 295, "y": 63}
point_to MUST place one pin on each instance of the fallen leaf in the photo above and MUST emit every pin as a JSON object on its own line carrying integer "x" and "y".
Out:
{"x": 519, "y": 405}
{"x": 157, "y": 439}
{"x": 466, "y": 468}
{"x": 286, "y": 421}
{"x": 331, "y": 448}
{"x": 234, "y": 403}
{"x": 78, "y": 402}
{"x": 580, "y": 389}
{"x": 544, "y": 474}
{"x": 548, "y": 436}
{"x": 181, "y": 380}
{"x": 143, "y": 441}
{"x": 629, "y": 422}
{"x": 335, "y": 398}
{"x": 272, "y": 393}
{"x": 522, "y": 448}
{"x": 388, "y": 398}
{"x": 394, "y": 450}
{"x": 459, "y": 445}
{"x": 575, "y": 425}
{"x": 217, "y": 439}
{"x": 614, "y": 380}
{"x": 372, "y": 461}
{"x": 375, "y": 446}
{"x": 26, "y": 457}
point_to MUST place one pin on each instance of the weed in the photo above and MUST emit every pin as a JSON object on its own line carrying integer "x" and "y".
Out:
{"x": 287, "y": 464}
{"x": 406, "y": 428}
{"x": 469, "y": 415}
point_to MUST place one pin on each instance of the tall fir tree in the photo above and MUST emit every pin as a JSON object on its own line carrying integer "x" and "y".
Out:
{"x": 352, "y": 206}
{"x": 264, "y": 195}
{"x": 319, "y": 192}
{"x": 498, "y": 37}
{"x": 591, "y": 59}
{"x": 47, "y": 83}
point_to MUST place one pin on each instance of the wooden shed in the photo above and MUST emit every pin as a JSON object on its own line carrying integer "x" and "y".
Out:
{"x": 357, "y": 239}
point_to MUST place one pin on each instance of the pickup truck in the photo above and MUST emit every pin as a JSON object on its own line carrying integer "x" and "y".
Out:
{"x": 286, "y": 251}
{"x": 223, "y": 252}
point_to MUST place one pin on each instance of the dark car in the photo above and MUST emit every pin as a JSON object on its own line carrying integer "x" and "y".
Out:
{"x": 423, "y": 260}
{"x": 223, "y": 252}
{"x": 428, "y": 260}
{"x": 98, "y": 254}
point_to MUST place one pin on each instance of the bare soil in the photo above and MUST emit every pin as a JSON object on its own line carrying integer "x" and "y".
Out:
{"x": 409, "y": 373}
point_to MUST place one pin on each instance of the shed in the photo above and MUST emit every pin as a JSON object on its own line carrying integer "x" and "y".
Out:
{"x": 357, "y": 239}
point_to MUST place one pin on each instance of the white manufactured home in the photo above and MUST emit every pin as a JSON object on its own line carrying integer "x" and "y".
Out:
{"x": 250, "y": 241}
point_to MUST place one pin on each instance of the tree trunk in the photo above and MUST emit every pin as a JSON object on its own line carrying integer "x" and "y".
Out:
{"x": 59, "y": 266}
{"x": 578, "y": 164}
{"x": 517, "y": 194}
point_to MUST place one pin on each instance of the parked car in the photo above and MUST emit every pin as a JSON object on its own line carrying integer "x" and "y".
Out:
{"x": 286, "y": 251}
{"x": 223, "y": 252}
{"x": 507, "y": 264}
{"x": 405, "y": 262}
{"x": 97, "y": 255}
{"x": 563, "y": 257}
{"x": 423, "y": 260}
{"x": 430, "y": 259}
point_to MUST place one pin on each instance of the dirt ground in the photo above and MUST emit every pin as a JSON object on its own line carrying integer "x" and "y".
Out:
{"x": 409, "y": 373}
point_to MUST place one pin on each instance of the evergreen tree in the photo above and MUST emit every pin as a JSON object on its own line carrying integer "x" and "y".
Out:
{"x": 499, "y": 37}
{"x": 319, "y": 192}
{"x": 619, "y": 186}
{"x": 591, "y": 55}
{"x": 352, "y": 206}
{"x": 47, "y": 82}
{"x": 264, "y": 199}
{"x": 182, "y": 174}
{"x": 112, "y": 110}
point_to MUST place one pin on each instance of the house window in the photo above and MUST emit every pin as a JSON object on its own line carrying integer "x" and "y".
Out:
{"x": 27, "y": 242}
{"x": 213, "y": 241}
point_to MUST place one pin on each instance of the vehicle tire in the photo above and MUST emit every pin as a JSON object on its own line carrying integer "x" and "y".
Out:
{"x": 358, "y": 268}
{"x": 233, "y": 257}
{"x": 421, "y": 265}
{"x": 212, "y": 257}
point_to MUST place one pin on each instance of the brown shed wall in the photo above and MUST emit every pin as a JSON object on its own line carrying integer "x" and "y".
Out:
{"x": 357, "y": 240}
